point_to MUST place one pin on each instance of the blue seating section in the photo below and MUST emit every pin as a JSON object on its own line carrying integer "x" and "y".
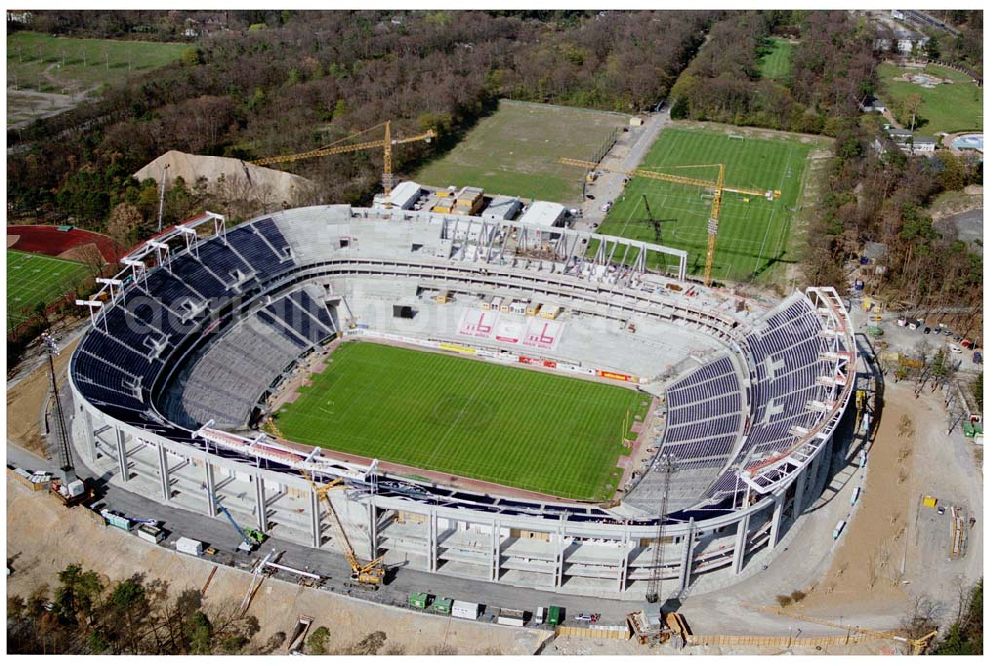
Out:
{"x": 300, "y": 313}
{"x": 785, "y": 366}
{"x": 116, "y": 366}
{"x": 195, "y": 275}
{"x": 704, "y": 417}
{"x": 269, "y": 230}
{"x": 223, "y": 260}
{"x": 252, "y": 247}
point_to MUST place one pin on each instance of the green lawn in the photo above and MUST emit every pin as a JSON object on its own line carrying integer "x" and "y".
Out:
{"x": 34, "y": 279}
{"x": 776, "y": 61}
{"x": 753, "y": 232}
{"x": 68, "y": 64}
{"x": 515, "y": 150}
{"x": 948, "y": 107}
{"x": 512, "y": 426}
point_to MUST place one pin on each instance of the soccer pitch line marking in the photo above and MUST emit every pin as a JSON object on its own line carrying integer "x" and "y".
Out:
{"x": 774, "y": 208}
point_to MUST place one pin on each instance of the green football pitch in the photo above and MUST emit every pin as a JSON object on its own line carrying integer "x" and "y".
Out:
{"x": 753, "y": 231}
{"x": 513, "y": 426}
{"x": 34, "y": 279}
{"x": 516, "y": 150}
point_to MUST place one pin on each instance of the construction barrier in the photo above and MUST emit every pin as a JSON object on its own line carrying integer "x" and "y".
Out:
{"x": 616, "y": 632}
{"x": 783, "y": 641}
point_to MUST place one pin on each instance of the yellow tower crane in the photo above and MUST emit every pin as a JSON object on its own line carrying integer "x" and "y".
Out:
{"x": 371, "y": 573}
{"x": 338, "y": 147}
{"x": 717, "y": 187}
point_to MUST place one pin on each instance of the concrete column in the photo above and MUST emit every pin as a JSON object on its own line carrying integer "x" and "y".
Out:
{"x": 813, "y": 473}
{"x": 495, "y": 553}
{"x": 258, "y": 484}
{"x": 800, "y": 486}
{"x": 779, "y": 507}
{"x": 90, "y": 443}
{"x": 740, "y": 547}
{"x": 623, "y": 563}
{"x": 372, "y": 528}
{"x": 210, "y": 489}
{"x": 161, "y": 455}
{"x": 122, "y": 454}
{"x": 688, "y": 556}
{"x": 317, "y": 535}
{"x": 432, "y": 541}
{"x": 560, "y": 550}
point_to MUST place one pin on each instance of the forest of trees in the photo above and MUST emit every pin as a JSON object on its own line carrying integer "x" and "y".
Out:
{"x": 298, "y": 80}
{"x": 883, "y": 198}
{"x": 88, "y": 614}
{"x": 281, "y": 82}
{"x": 833, "y": 66}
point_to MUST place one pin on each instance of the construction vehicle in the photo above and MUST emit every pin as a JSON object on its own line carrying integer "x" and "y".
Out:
{"x": 337, "y": 148}
{"x": 717, "y": 187}
{"x": 371, "y": 574}
{"x": 250, "y": 539}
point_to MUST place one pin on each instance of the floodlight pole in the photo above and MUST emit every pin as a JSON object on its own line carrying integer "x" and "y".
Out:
{"x": 61, "y": 434}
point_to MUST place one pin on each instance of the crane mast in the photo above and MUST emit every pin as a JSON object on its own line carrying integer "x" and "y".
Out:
{"x": 385, "y": 143}
{"x": 717, "y": 187}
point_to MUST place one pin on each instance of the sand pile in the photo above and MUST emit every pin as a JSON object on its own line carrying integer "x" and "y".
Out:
{"x": 230, "y": 178}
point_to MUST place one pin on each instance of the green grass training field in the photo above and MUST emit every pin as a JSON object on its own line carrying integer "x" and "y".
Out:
{"x": 753, "y": 232}
{"x": 512, "y": 426}
{"x": 948, "y": 107}
{"x": 515, "y": 150}
{"x": 68, "y": 64}
{"x": 34, "y": 279}
{"x": 776, "y": 62}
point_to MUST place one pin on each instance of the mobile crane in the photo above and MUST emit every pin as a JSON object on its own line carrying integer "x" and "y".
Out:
{"x": 371, "y": 574}
{"x": 717, "y": 187}
{"x": 337, "y": 148}
{"x": 250, "y": 538}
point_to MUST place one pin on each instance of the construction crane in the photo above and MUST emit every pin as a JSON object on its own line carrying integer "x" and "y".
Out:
{"x": 655, "y": 576}
{"x": 371, "y": 573}
{"x": 337, "y": 148}
{"x": 250, "y": 538}
{"x": 717, "y": 187}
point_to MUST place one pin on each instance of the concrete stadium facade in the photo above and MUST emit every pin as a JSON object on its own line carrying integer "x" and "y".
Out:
{"x": 569, "y": 547}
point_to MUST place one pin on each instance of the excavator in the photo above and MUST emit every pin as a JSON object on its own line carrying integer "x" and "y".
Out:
{"x": 370, "y": 574}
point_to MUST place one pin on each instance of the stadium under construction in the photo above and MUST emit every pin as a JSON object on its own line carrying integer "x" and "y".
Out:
{"x": 205, "y": 326}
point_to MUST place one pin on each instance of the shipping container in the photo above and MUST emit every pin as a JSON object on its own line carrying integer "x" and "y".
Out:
{"x": 511, "y": 617}
{"x": 116, "y": 520}
{"x": 150, "y": 533}
{"x": 442, "y": 605}
{"x": 190, "y": 546}
{"x": 419, "y": 599}
{"x": 465, "y": 609}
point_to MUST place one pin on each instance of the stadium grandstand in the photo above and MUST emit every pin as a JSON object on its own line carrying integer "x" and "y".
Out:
{"x": 207, "y": 324}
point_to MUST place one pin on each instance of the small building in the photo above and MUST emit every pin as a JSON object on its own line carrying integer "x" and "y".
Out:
{"x": 872, "y": 104}
{"x": 544, "y": 214}
{"x": 923, "y": 145}
{"x": 468, "y": 201}
{"x": 501, "y": 208}
{"x": 402, "y": 197}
